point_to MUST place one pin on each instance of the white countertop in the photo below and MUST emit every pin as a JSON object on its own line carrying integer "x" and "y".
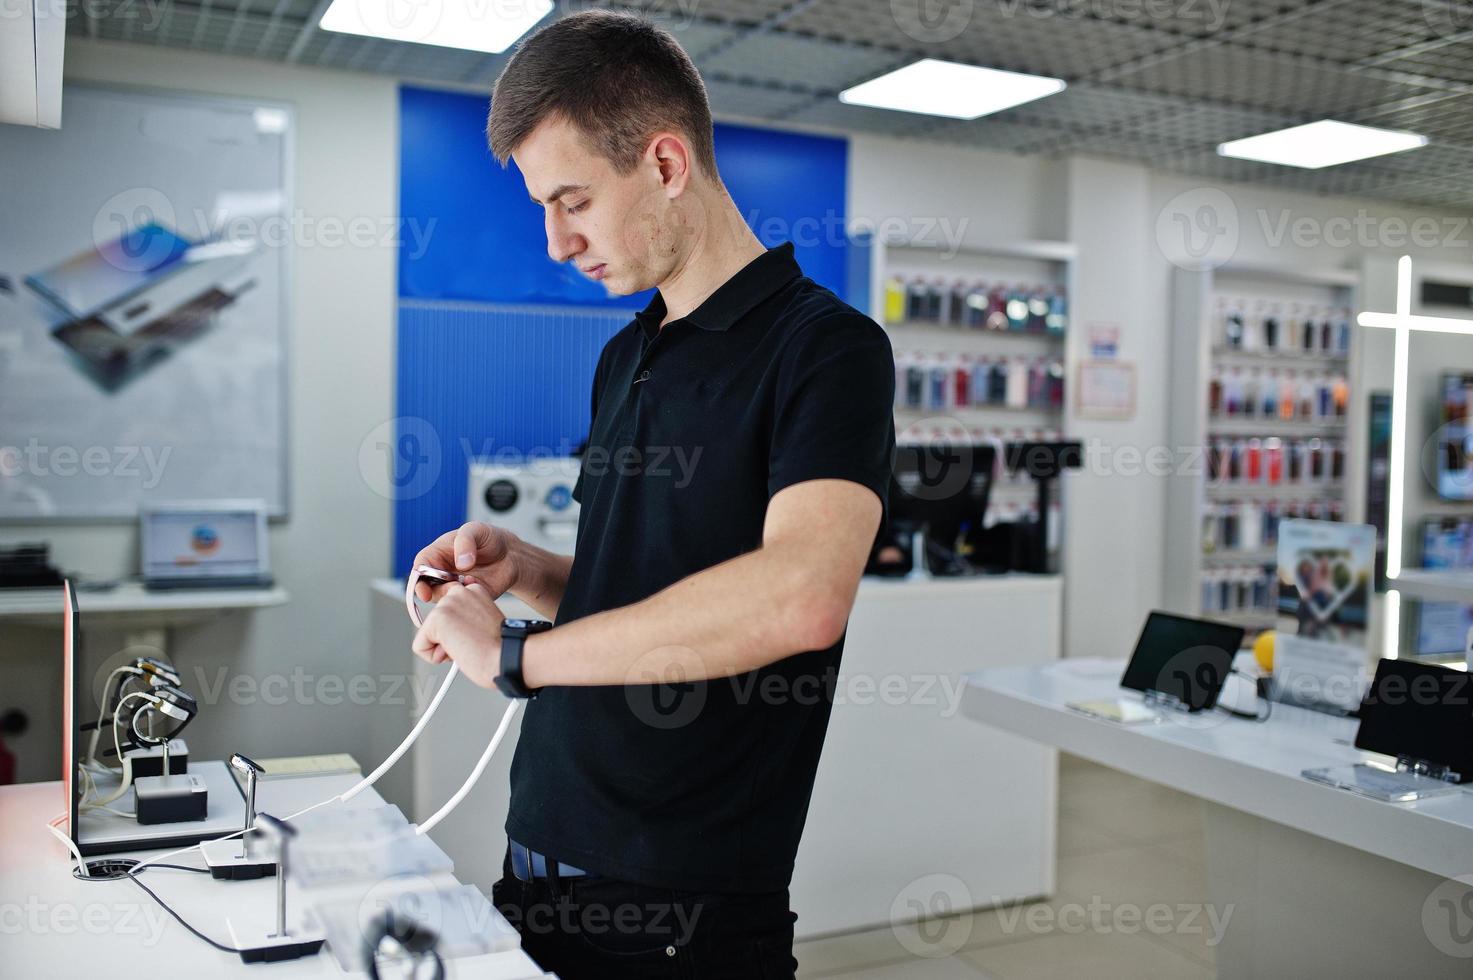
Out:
{"x": 1249, "y": 766}
{"x": 131, "y": 598}
{"x": 880, "y": 588}
{"x": 71, "y": 928}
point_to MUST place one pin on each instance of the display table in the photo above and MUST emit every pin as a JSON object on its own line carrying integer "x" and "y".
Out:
{"x": 1320, "y": 882}
{"x": 131, "y": 603}
{"x": 57, "y": 926}
{"x": 905, "y": 787}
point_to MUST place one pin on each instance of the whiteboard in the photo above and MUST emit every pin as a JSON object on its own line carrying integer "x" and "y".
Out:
{"x": 143, "y": 293}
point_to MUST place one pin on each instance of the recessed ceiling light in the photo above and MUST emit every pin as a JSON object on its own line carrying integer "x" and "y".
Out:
{"x": 1321, "y": 144}
{"x": 472, "y": 25}
{"x": 946, "y": 88}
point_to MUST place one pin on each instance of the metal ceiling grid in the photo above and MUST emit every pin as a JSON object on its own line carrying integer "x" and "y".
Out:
{"x": 1448, "y": 119}
{"x": 1350, "y": 31}
{"x": 675, "y": 12}
{"x": 1070, "y": 48}
{"x": 1292, "y": 85}
{"x": 1017, "y": 36}
{"x": 790, "y": 59}
{"x": 1197, "y": 126}
{"x": 1450, "y": 59}
{"x": 833, "y": 114}
{"x": 1159, "y": 85}
{"x": 748, "y": 101}
{"x": 1087, "y": 108}
{"x": 1430, "y": 194}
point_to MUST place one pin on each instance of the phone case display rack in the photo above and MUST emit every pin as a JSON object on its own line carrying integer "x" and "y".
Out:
{"x": 979, "y": 334}
{"x": 1261, "y": 390}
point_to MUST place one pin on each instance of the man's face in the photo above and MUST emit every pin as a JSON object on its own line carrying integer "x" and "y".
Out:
{"x": 623, "y": 230}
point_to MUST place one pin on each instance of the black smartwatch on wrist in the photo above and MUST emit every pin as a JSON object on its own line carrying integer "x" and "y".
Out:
{"x": 514, "y": 633}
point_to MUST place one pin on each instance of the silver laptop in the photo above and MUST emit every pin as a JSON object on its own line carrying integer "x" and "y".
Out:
{"x": 215, "y": 544}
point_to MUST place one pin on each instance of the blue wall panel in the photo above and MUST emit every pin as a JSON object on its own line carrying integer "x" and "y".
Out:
{"x": 459, "y": 398}
{"x": 497, "y": 343}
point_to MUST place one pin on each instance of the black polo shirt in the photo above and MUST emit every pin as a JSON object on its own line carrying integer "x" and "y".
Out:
{"x": 772, "y": 381}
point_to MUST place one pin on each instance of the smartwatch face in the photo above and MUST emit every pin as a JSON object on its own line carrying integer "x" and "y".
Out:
{"x": 516, "y": 624}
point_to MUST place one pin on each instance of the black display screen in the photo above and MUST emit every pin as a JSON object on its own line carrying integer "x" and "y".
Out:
{"x": 1422, "y": 711}
{"x": 1186, "y": 658}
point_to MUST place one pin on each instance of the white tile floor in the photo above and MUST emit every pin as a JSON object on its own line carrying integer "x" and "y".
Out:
{"x": 1128, "y": 849}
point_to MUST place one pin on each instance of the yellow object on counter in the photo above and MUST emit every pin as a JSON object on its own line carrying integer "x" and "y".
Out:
{"x": 1263, "y": 651}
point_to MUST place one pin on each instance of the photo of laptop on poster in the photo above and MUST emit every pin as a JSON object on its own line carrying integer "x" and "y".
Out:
{"x": 204, "y": 545}
{"x": 131, "y": 301}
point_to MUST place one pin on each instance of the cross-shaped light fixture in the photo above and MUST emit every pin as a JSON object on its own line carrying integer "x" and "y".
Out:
{"x": 1402, "y": 322}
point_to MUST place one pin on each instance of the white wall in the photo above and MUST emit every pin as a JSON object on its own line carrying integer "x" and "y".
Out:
{"x": 340, "y": 360}
{"x": 987, "y": 197}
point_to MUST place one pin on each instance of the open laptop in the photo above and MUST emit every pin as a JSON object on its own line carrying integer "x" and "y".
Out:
{"x": 204, "y": 545}
{"x": 105, "y": 832}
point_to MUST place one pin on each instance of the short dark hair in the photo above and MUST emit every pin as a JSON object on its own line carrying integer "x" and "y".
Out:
{"x": 618, "y": 78}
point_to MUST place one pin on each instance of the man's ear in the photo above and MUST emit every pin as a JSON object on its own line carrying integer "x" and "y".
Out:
{"x": 672, "y": 158}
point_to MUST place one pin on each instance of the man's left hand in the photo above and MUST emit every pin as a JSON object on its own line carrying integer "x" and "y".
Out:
{"x": 464, "y": 626}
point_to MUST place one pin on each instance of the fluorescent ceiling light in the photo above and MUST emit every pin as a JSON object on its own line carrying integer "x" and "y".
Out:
{"x": 491, "y": 26}
{"x": 946, "y": 88}
{"x": 1321, "y": 144}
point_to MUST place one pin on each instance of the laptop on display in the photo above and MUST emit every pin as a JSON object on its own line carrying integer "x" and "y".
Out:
{"x": 204, "y": 545}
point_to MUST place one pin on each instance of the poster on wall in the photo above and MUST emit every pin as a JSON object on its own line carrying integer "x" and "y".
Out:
{"x": 1325, "y": 583}
{"x": 142, "y": 305}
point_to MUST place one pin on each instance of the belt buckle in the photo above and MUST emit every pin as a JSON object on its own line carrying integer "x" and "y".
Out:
{"x": 521, "y": 863}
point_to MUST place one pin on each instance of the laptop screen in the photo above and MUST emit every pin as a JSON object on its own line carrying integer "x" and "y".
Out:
{"x": 201, "y": 543}
{"x": 1186, "y": 658}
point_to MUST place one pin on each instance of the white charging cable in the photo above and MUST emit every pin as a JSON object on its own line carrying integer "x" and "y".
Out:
{"x": 460, "y": 794}
{"x": 398, "y": 753}
{"x": 102, "y": 713}
{"x": 415, "y": 574}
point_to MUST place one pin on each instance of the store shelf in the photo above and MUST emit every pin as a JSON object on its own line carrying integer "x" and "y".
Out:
{"x": 1257, "y": 556}
{"x": 961, "y": 412}
{"x": 953, "y": 330}
{"x": 1254, "y": 620}
{"x": 1232, "y": 357}
{"x": 1205, "y": 366}
{"x": 1327, "y": 490}
{"x": 1267, "y": 428}
{"x": 1428, "y": 585}
{"x": 1045, "y": 251}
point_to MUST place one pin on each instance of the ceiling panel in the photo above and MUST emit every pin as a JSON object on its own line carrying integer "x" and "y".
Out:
{"x": 787, "y": 58}
{"x": 1161, "y": 83}
{"x": 750, "y": 102}
{"x": 1245, "y": 78}
{"x": 1445, "y": 118}
{"x": 1347, "y": 30}
{"x": 1443, "y": 59}
{"x": 833, "y": 114}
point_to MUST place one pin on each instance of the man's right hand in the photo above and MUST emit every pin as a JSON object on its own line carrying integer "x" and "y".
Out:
{"x": 475, "y": 550}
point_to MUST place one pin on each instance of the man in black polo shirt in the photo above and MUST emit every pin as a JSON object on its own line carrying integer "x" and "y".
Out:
{"x": 734, "y": 480}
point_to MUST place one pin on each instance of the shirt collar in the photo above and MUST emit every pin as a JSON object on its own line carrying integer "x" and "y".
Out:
{"x": 736, "y": 297}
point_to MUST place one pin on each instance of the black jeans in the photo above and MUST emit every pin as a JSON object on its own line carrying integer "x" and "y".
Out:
{"x": 597, "y": 928}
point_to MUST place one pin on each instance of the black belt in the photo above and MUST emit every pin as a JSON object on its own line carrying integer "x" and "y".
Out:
{"x": 527, "y": 864}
